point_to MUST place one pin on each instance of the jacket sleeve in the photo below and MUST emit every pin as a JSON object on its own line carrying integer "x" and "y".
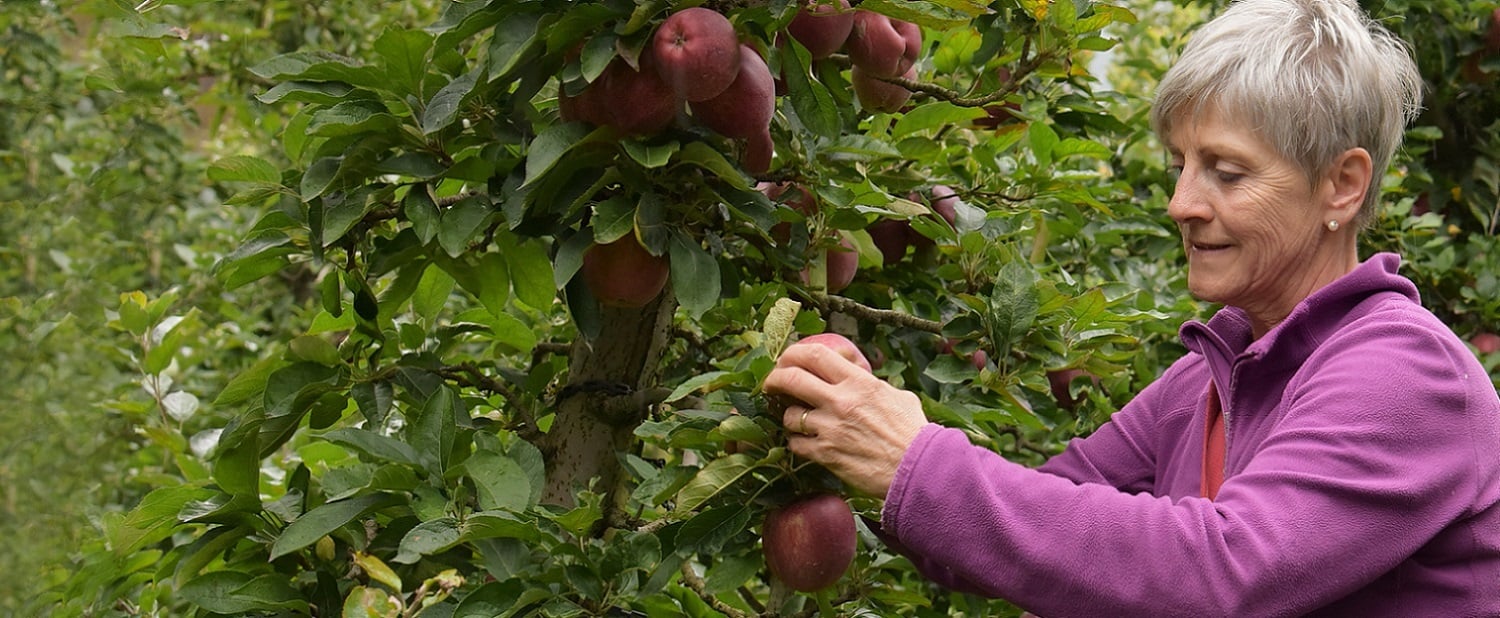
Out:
{"x": 1364, "y": 468}
{"x": 1121, "y": 454}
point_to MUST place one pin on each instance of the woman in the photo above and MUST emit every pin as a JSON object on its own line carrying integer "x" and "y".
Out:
{"x": 1327, "y": 447}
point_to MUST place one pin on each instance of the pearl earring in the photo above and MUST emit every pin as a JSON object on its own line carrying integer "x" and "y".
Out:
{"x": 1333, "y": 226}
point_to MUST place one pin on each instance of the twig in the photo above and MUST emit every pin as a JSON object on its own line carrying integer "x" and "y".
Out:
{"x": 691, "y": 579}
{"x": 467, "y": 374}
{"x": 831, "y": 302}
{"x": 953, "y": 96}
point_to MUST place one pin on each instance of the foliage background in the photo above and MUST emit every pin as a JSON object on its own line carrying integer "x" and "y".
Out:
{"x": 112, "y": 121}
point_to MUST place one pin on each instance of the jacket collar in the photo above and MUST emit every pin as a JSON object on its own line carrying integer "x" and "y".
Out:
{"x": 1226, "y": 338}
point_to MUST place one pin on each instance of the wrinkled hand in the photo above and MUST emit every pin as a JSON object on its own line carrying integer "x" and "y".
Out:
{"x": 857, "y": 425}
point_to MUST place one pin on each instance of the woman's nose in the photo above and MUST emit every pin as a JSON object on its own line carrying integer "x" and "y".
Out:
{"x": 1187, "y": 201}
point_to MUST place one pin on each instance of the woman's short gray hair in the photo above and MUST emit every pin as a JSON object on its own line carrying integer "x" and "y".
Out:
{"x": 1313, "y": 78}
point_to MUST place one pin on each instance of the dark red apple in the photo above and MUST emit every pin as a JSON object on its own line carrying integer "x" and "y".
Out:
{"x": 841, "y": 344}
{"x": 697, "y": 53}
{"x": 822, "y": 28}
{"x": 874, "y": 45}
{"x": 805, "y": 203}
{"x": 1060, "y": 382}
{"x": 911, "y": 44}
{"x": 623, "y": 273}
{"x": 744, "y": 109}
{"x": 891, "y": 237}
{"x": 809, "y": 543}
{"x": 759, "y": 150}
{"x": 635, "y": 102}
{"x": 877, "y": 95}
{"x": 1486, "y": 343}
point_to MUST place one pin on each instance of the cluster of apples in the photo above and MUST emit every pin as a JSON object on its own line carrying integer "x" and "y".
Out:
{"x": 878, "y": 47}
{"x": 695, "y": 58}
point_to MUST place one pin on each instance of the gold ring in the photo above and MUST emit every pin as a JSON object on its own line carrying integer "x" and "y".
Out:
{"x": 802, "y": 425}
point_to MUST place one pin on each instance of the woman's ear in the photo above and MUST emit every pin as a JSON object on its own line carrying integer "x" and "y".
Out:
{"x": 1348, "y": 182}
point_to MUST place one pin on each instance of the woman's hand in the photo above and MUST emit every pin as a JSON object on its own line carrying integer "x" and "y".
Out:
{"x": 843, "y": 417}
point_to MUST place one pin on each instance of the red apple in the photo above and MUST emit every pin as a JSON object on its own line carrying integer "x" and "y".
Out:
{"x": 840, "y": 263}
{"x": 891, "y": 237}
{"x": 877, "y": 95}
{"x": 1061, "y": 381}
{"x": 809, "y": 543}
{"x": 623, "y": 273}
{"x": 874, "y": 45}
{"x": 742, "y": 110}
{"x": 635, "y": 102}
{"x": 911, "y": 43}
{"x": 697, "y": 53}
{"x": 822, "y": 28}
{"x": 759, "y": 150}
{"x": 805, "y": 203}
{"x": 1486, "y": 343}
{"x": 840, "y": 344}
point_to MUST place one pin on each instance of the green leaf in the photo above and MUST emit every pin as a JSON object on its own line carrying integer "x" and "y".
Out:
{"x": 320, "y": 93}
{"x": 695, "y": 275}
{"x": 432, "y": 293}
{"x": 530, "y": 270}
{"x": 422, "y": 211}
{"x": 352, "y": 117}
{"x": 374, "y": 445}
{"x": 443, "y": 109}
{"x": 244, "y": 168}
{"x": 710, "y": 159}
{"x": 516, "y": 38}
{"x": 320, "y": 521}
{"x": 712, "y": 479}
{"x": 707, "y": 532}
{"x": 950, "y": 369}
{"x": 431, "y": 431}
{"x": 133, "y": 314}
{"x": 318, "y": 177}
{"x": 491, "y": 600}
{"x": 1042, "y": 140}
{"x": 1012, "y": 304}
{"x": 500, "y": 481}
{"x": 934, "y": 116}
{"x": 427, "y": 538}
{"x": 613, "y": 219}
{"x": 813, "y": 103}
{"x": 404, "y": 56}
{"x": 420, "y": 165}
{"x": 461, "y": 223}
{"x": 340, "y": 213}
{"x": 319, "y": 66}
{"x": 511, "y": 331}
{"x": 650, "y": 155}
{"x": 153, "y": 519}
{"x": 696, "y": 382}
{"x": 374, "y": 400}
{"x": 550, "y": 146}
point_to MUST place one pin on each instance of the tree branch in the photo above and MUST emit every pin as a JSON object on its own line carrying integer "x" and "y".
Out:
{"x": 1011, "y": 85}
{"x": 692, "y": 581}
{"x": 830, "y": 302}
{"x": 467, "y": 374}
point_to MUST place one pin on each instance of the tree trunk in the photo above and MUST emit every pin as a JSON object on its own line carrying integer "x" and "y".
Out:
{"x": 604, "y": 401}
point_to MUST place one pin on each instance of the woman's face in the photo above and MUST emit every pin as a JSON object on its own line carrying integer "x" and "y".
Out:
{"x": 1252, "y": 226}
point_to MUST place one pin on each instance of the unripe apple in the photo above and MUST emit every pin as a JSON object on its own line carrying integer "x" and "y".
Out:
{"x": 809, "y": 543}
{"x": 979, "y": 359}
{"x": 822, "y": 28}
{"x": 874, "y": 45}
{"x": 623, "y": 273}
{"x": 697, "y": 53}
{"x": 1486, "y": 343}
{"x": 841, "y": 344}
{"x": 744, "y": 109}
{"x": 877, "y": 95}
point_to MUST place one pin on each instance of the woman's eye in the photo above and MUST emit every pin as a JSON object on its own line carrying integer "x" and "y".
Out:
{"x": 1228, "y": 177}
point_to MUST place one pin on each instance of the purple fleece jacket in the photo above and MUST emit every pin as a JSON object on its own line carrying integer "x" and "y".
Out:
{"x": 1362, "y": 477}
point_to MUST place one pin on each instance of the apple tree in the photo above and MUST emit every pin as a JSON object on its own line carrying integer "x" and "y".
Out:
{"x": 545, "y": 252}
